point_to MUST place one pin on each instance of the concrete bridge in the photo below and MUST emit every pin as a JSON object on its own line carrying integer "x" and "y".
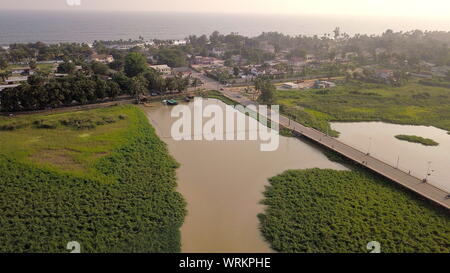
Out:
{"x": 394, "y": 174}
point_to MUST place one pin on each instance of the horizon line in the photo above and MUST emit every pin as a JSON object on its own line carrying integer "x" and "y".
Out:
{"x": 75, "y": 9}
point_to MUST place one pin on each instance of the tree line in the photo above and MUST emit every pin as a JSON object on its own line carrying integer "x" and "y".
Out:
{"x": 90, "y": 86}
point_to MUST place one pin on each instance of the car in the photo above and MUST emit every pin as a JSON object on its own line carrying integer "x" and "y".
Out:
{"x": 154, "y": 94}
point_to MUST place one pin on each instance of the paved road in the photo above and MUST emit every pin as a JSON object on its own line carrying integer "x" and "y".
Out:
{"x": 415, "y": 184}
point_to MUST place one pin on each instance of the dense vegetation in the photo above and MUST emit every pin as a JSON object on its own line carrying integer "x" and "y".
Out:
{"x": 90, "y": 85}
{"x": 396, "y": 47}
{"x": 418, "y": 139}
{"x": 40, "y": 93}
{"x": 327, "y": 211}
{"x": 102, "y": 178}
{"x": 412, "y": 104}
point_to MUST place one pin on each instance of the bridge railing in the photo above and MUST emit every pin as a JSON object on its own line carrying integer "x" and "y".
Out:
{"x": 389, "y": 162}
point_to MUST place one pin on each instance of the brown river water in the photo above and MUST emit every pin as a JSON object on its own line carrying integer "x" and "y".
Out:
{"x": 420, "y": 160}
{"x": 223, "y": 183}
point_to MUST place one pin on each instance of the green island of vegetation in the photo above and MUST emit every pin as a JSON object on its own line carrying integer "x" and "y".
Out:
{"x": 418, "y": 139}
{"x": 328, "y": 211}
{"x": 101, "y": 177}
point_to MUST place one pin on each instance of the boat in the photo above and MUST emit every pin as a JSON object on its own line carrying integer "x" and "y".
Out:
{"x": 171, "y": 102}
{"x": 187, "y": 99}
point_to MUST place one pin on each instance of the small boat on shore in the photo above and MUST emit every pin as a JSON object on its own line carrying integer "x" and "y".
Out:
{"x": 170, "y": 102}
{"x": 187, "y": 99}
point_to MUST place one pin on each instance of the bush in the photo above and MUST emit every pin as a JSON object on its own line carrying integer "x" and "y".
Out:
{"x": 328, "y": 211}
{"x": 134, "y": 208}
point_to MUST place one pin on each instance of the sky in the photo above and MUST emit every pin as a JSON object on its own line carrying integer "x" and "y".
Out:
{"x": 409, "y": 8}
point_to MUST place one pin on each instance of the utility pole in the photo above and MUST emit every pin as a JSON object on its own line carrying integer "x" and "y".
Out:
{"x": 428, "y": 171}
{"x": 398, "y": 161}
{"x": 370, "y": 146}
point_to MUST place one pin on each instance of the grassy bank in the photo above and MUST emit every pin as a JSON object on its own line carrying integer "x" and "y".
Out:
{"x": 418, "y": 139}
{"x": 413, "y": 104}
{"x": 100, "y": 177}
{"x": 341, "y": 211}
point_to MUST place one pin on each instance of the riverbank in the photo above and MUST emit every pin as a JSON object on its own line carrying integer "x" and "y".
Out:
{"x": 412, "y": 104}
{"x": 100, "y": 177}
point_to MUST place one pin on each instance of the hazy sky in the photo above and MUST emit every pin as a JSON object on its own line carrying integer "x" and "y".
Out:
{"x": 428, "y": 8}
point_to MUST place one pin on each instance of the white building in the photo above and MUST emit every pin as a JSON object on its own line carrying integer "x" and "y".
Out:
{"x": 289, "y": 85}
{"x": 3, "y": 87}
{"x": 179, "y": 42}
{"x": 163, "y": 69}
{"x": 102, "y": 58}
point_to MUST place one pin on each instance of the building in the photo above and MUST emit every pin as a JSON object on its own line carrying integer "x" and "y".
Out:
{"x": 440, "y": 71}
{"x": 163, "y": 69}
{"x": 289, "y": 85}
{"x": 183, "y": 71}
{"x": 323, "y": 84}
{"x": 218, "y": 52}
{"x": 102, "y": 58}
{"x": 16, "y": 80}
{"x": 421, "y": 75}
{"x": 200, "y": 60}
{"x": 21, "y": 71}
{"x": 297, "y": 62}
{"x": 3, "y": 87}
{"x": 385, "y": 74}
{"x": 310, "y": 58}
{"x": 179, "y": 42}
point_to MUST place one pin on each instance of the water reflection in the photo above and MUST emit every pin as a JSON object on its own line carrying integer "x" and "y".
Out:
{"x": 380, "y": 138}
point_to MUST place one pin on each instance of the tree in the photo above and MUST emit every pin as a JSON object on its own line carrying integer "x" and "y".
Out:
{"x": 297, "y": 53}
{"x": 36, "y": 80}
{"x": 267, "y": 93}
{"x": 32, "y": 64}
{"x": 196, "y": 83}
{"x": 3, "y": 63}
{"x": 123, "y": 81}
{"x": 236, "y": 71}
{"x": 101, "y": 88}
{"x": 171, "y": 84}
{"x": 113, "y": 90}
{"x": 337, "y": 33}
{"x": 5, "y": 74}
{"x": 138, "y": 87}
{"x": 135, "y": 64}
{"x": 99, "y": 68}
{"x": 182, "y": 83}
{"x": 66, "y": 67}
{"x": 173, "y": 57}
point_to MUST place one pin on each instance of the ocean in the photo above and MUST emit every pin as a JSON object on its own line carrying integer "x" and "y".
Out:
{"x": 88, "y": 26}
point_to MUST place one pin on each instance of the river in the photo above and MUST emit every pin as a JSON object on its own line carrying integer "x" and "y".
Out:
{"x": 379, "y": 138}
{"x": 223, "y": 184}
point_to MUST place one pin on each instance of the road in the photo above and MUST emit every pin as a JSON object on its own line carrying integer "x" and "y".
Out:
{"x": 402, "y": 178}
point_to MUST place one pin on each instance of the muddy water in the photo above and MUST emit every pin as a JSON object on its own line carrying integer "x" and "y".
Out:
{"x": 380, "y": 138}
{"x": 223, "y": 182}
